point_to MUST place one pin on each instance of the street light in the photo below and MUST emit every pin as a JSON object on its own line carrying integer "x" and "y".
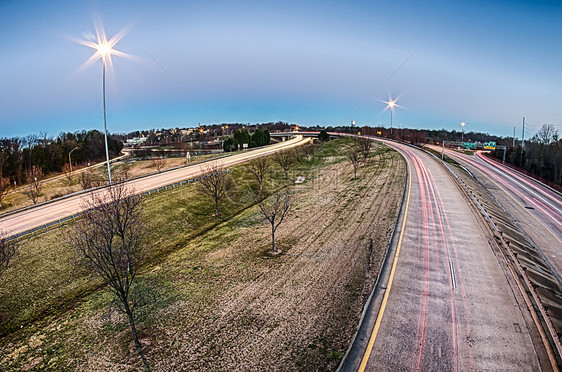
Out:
{"x": 391, "y": 104}
{"x": 104, "y": 50}
{"x": 70, "y": 160}
{"x": 462, "y": 136}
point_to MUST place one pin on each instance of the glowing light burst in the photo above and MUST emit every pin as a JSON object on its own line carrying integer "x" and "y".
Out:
{"x": 104, "y": 48}
{"x": 391, "y": 104}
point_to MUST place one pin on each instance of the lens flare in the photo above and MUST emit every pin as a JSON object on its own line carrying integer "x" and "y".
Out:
{"x": 104, "y": 48}
{"x": 391, "y": 103}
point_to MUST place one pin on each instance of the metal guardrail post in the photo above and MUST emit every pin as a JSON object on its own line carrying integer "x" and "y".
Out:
{"x": 74, "y": 216}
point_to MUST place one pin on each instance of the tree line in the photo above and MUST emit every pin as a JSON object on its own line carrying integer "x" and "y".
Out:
{"x": 18, "y": 155}
{"x": 541, "y": 155}
{"x": 241, "y": 137}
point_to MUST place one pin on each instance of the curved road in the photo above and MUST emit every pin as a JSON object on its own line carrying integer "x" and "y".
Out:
{"x": 44, "y": 214}
{"x": 449, "y": 304}
{"x": 536, "y": 207}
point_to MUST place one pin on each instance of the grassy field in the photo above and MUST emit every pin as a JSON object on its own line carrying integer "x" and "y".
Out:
{"x": 217, "y": 293}
{"x": 63, "y": 186}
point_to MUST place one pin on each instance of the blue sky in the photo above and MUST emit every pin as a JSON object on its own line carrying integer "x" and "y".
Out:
{"x": 313, "y": 62}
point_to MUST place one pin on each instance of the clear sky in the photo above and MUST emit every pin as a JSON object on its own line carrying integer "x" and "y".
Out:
{"x": 488, "y": 63}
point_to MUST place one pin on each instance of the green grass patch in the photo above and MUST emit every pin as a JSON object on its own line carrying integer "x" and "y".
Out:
{"x": 43, "y": 280}
{"x": 44, "y": 289}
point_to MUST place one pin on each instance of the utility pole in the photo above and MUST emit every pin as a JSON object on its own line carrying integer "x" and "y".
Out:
{"x": 523, "y": 134}
{"x": 513, "y": 144}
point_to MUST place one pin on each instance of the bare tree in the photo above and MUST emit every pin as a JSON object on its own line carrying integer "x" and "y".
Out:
{"x": 7, "y": 252}
{"x": 87, "y": 178}
{"x": 546, "y": 135}
{"x": 259, "y": 168}
{"x": 303, "y": 151}
{"x": 33, "y": 176}
{"x": 353, "y": 154}
{"x": 109, "y": 242}
{"x": 215, "y": 183}
{"x": 4, "y": 188}
{"x": 365, "y": 145}
{"x": 66, "y": 169}
{"x": 285, "y": 159}
{"x": 275, "y": 209}
{"x": 4, "y": 181}
{"x": 158, "y": 163}
{"x": 122, "y": 173}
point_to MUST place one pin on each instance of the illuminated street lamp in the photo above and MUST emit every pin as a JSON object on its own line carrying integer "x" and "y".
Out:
{"x": 391, "y": 104}
{"x": 462, "y": 136}
{"x": 104, "y": 50}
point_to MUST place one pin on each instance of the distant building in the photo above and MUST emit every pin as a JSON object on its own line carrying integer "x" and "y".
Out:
{"x": 135, "y": 141}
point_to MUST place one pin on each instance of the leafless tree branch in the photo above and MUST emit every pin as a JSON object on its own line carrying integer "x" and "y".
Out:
{"x": 159, "y": 163}
{"x": 275, "y": 209}
{"x": 4, "y": 188}
{"x": 285, "y": 159}
{"x": 215, "y": 183}
{"x": 33, "y": 176}
{"x": 108, "y": 241}
{"x": 365, "y": 145}
{"x": 7, "y": 252}
{"x": 259, "y": 168}
{"x": 353, "y": 154}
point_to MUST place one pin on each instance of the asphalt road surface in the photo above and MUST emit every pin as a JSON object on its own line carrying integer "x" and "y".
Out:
{"x": 536, "y": 207}
{"x": 448, "y": 305}
{"x": 44, "y": 214}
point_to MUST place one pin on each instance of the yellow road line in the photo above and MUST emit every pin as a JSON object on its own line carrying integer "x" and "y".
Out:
{"x": 390, "y": 279}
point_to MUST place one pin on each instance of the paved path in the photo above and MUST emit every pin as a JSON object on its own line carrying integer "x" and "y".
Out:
{"x": 44, "y": 214}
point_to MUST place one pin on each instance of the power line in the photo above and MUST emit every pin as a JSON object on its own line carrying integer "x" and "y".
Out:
{"x": 378, "y": 88}
{"x": 182, "y": 87}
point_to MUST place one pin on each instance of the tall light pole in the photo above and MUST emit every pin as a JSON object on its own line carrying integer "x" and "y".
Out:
{"x": 104, "y": 50}
{"x": 391, "y": 104}
{"x": 462, "y": 136}
{"x": 70, "y": 160}
{"x": 105, "y": 123}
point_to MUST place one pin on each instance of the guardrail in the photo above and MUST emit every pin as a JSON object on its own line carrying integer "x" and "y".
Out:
{"x": 101, "y": 187}
{"x": 61, "y": 221}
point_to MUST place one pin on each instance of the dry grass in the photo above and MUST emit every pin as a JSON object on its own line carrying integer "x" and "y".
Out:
{"x": 63, "y": 186}
{"x": 221, "y": 301}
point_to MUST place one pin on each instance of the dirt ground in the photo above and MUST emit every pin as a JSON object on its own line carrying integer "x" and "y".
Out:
{"x": 224, "y": 302}
{"x": 300, "y": 313}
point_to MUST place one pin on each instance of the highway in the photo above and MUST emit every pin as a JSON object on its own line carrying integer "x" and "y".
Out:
{"x": 74, "y": 172}
{"x": 536, "y": 207}
{"x": 43, "y": 214}
{"x": 450, "y": 303}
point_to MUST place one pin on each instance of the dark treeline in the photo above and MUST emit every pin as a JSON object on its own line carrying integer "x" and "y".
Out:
{"x": 20, "y": 154}
{"x": 179, "y": 137}
{"x": 541, "y": 155}
{"x": 241, "y": 137}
